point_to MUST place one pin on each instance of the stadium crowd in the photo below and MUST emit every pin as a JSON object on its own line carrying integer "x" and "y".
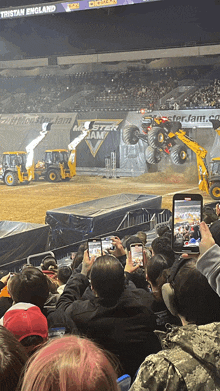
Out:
{"x": 81, "y": 327}
{"x": 132, "y": 89}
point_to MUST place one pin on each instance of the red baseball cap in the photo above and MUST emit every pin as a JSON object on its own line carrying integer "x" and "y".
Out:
{"x": 25, "y": 319}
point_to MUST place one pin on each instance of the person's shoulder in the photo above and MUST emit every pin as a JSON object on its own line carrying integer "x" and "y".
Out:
{"x": 156, "y": 372}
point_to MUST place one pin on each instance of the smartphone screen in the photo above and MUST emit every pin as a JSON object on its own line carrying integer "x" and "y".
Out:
{"x": 137, "y": 254}
{"x": 187, "y": 215}
{"x": 95, "y": 248}
{"x": 107, "y": 244}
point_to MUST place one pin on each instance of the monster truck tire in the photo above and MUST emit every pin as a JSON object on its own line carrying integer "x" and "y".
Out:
{"x": 11, "y": 178}
{"x": 152, "y": 155}
{"x": 178, "y": 154}
{"x": 53, "y": 176}
{"x": 130, "y": 134}
{"x": 156, "y": 137}
{"x": 214, "y": 191}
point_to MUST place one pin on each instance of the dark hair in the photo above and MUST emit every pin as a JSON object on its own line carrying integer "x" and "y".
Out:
{"x": 107, "y": 277}
{"x": 215, "y": 231}
{"x": 49, "y": 264}
{"x": 209, "y": 215}
{"x": 5, "y": 304}
{"x": 131, "y": 240}
{"x": 194, "y": 297}
{"x": 12, "y": 360}
{"x": 162, "y": 245}
{"x": 32, "y": 343}
{"x": 142, "y": 236}
{"x": 77, "y": 260}
{"x": 161, "y": 230}
{"x": 155, "y": 266}
{"x": 29, "y": 286}
{"x": 82, "y": 247}
{"x": 64, "y": 273}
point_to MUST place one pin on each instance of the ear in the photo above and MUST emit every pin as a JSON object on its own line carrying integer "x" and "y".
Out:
{"x": 168, "y": 298}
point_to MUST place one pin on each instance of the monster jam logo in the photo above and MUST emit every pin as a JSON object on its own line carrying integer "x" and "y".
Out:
{"x": 98, "y": 133}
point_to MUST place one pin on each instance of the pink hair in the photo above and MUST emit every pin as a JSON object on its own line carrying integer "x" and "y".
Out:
{"x": 69, "y": 363}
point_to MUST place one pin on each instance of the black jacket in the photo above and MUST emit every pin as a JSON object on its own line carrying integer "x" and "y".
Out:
{"x": 124, "y": 327}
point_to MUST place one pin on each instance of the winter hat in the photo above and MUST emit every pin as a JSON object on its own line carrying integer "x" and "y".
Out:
{"x": 25, "y": 319}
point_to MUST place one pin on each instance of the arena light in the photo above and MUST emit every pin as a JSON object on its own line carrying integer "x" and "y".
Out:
{"x": 58, "y": 7}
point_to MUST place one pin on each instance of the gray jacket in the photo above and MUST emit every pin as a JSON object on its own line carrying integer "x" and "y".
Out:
{"x": 209, "y": 266}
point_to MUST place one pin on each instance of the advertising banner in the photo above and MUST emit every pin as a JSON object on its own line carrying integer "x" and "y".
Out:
{"x": 57, "y": 7}
{"x": 103, "y": 139}
{"x": 199, "y": 118}
{"x": 18, "y": 130}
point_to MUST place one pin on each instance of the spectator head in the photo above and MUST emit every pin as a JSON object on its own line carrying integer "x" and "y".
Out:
{"x": 29, "y": 286}
{"x": 63, "y": 274}
{"x": 28, "y": 325}
{"x": 132, "y": 240}
{"x": 192, "y": 298}
{"x": 162, "y": 245}
{"x": 70, "y": 363}
{"x": 162, "y": 229}
{"x": 49, "y": 263}
{"x": 12, "y": 360}
{"x": 77, "y": 260}
{"x": 107, "y": 277}
{"x": 154, "y": 267}
{"x": 5, "y": 304}
{"x": 209, "y": 215}
{"x": 215, "y": 231}
{"x": 142, "y": 236}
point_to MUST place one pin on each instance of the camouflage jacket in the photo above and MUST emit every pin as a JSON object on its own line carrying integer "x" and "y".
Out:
{"x": 189, "y": 361}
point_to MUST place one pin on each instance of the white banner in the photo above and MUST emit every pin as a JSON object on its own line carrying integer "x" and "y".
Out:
{"x": 199, "y": 118}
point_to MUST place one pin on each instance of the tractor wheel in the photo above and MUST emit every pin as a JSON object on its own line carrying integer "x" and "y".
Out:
{"x": 53, "y": 176}
{"x": 11, "y": 178}
{"x": 152, "y": 155}
{"x": 130, "y": 135}
{"x": 156, "y": 137}
{"x": 214, "y": 191}
{"x": 178, "y": 154}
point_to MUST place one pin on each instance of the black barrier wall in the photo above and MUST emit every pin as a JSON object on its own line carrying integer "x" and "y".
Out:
{"x": 74, "y": 223}
{"x": 18, "y": 240}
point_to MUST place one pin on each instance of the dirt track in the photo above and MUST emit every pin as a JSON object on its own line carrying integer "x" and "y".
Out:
{"x": 29, "y": 203}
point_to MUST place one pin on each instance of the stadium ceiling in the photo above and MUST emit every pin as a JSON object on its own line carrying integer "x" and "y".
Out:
{"x": 46, "y": 8}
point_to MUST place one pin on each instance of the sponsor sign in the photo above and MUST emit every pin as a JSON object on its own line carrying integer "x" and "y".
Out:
{"x": 29, "y": 119}
{"x": 98, "y": 133}
{"x": 199, "y": 118}
{"x": 57, "y": 7}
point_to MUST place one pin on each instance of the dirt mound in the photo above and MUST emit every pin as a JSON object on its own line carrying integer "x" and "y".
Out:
{"x": 189, "y": 175}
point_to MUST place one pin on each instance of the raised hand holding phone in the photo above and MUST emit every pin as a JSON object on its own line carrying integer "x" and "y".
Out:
{"x": 187, "y": 216}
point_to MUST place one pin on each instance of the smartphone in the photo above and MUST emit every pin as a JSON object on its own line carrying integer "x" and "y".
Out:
{"x": 137, "y": 254}
{"x": 107, "y": 244}
{"x": 187, "y": 215}
{"x": 94, "y": 247}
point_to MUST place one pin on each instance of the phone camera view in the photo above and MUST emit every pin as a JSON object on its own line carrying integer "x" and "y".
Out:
{"x": 137, "y": 254}
{"x": 95, "y": 249}
{"x": 187, "y": 217}
{"x": 107, "y": 244}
